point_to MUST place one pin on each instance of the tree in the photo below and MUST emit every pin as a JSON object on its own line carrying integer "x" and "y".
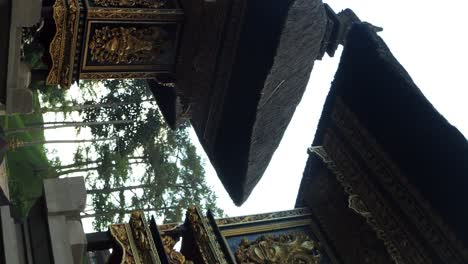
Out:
{"x": 153, "y": 169}
{"x": 63, "y": 124}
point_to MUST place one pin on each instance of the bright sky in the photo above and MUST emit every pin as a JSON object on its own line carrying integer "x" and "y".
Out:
{"x": 427, "y": 37}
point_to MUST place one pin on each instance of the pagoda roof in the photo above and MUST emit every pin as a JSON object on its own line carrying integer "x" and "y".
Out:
{"x": 243, "y": 68}
{"x": 377, "y": 116}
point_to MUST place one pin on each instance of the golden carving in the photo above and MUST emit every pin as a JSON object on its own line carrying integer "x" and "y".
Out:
{"x": 127, "y": 45}
{"x": 62, "y": 47}
{"x": 117, "y": 75}
{"x": 136, "y": 14}
{"x": 251, "y": 229}
{"x": 175, "y": 257}
{"x": 130, "y": 3}
{"x": 206, "y": 241}
{"x": 135, "y": 241}
{"x": 262, "y": 217}
{"x": 119, "y": 233}
{"x": 143, "y": 239}
{"x": 291, "y": 248}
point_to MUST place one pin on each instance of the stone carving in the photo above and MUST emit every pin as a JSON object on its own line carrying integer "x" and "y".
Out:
{"x": 130, "y": 3}
{"x": 127, "y": 45}
{"x": 290, "y": 248}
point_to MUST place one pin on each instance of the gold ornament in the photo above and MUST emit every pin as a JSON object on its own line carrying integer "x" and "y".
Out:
{"x": 130, "y": 3}
{"x": 127, "y": 45}
{"x": 290, "y": 248}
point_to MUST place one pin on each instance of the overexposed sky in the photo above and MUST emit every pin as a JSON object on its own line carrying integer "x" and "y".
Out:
{"x": 428, "y": 38}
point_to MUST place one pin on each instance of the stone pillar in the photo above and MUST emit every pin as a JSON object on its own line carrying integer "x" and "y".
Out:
{"x": 65, "y": 199}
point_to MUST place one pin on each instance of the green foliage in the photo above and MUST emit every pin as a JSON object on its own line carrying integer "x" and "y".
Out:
{"x": 49, "y": 95}
{"x": 151, "y": 167}
{"x": 27, "y": 167}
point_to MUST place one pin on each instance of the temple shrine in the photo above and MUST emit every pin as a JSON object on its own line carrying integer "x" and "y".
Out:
{"x": 386, "y": 177}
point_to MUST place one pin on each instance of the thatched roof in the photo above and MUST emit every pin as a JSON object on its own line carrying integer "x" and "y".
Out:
{"x": 394, "y": 139}
{"x": 242, "y": 69}
{"x": 250, "y": 109}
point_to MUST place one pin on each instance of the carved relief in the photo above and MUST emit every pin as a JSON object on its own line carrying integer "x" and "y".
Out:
{"x": 261, "y": 217}
{"x": 119, "y": 233}
{"x": 207, "y": 243}
{"x": 143, "y": 240}
{"x": 394, "y": 181}
{"x": 61, "y": 48}
{"x": 291, "y": 248}
{"x": 127, "y": 45}
{"x": 135, "y": 14}
{"x": 117, "y": 75}
{"x": 130, "y": 3}
{"x": 366, "y": 199}
{"x": 174, "y": 256}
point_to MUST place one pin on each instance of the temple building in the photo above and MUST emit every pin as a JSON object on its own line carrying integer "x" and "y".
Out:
{"x": 386, "y": 177}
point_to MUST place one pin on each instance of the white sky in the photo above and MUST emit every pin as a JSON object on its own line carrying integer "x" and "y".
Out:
{"x": 428, "y": 38}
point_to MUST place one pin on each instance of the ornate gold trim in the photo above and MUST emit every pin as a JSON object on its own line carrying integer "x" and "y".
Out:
{"x": 118, "y": 69}
{"x": 127, "y": 45}
{"x": 265, "y": 228}
{"x": 174, "y": 256}
{"x": 118, "y": 75}
{"x": 62, "y": 47}
{"x": 284, "y": 248}
{"x": 57, "y": 45}
{"x": 263, "y": 217}
{"x": 206, "y": 241}
{"x": 130, "y": 3}
{"x": 143, "y": 239}
{"x": 121, "y": 234}
{"x": 169, "y": 15}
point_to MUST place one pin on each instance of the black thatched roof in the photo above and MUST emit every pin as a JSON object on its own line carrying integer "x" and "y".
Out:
{"x": 168, "y": 102}
{"x": 430, "y": 152}
{"x": 242, "y": 69}
{"x": 278, "y": 44}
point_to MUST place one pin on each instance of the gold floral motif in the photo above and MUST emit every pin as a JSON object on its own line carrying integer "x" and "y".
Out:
{"x": 130, "y": 3}
{"x": 127, "y": 45}
{"x": 136, "y": 14}
{"x": 62, "y": 49}
{"x": 175, "y": 257}
{"x": 119, "y": 233}
{"x": 290, "y": 248}
{"x": 206, "y": 241}
{"x": 143, "y": 239}
{"x": 117, "y": 75}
